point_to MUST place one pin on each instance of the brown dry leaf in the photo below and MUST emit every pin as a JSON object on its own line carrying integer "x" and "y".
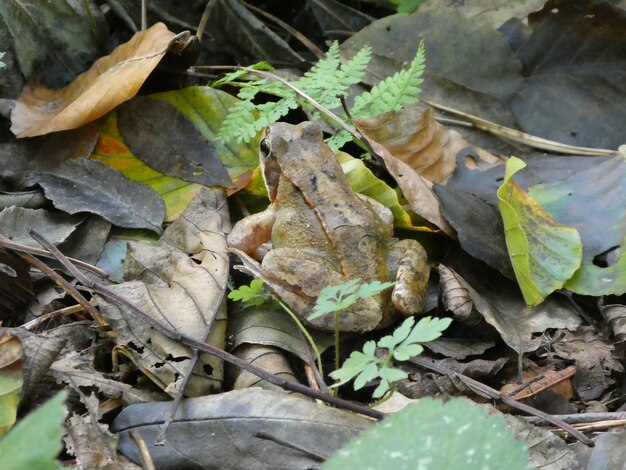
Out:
{"x": 110, "y": 81}
{"x": 417, "y": 190}
{"x": 269, "y": 358}
{"x": 556, "y": 381}
{"x": 413, "y": 136}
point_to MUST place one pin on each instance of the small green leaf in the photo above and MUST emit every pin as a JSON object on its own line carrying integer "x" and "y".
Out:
{"x": 335, "y": 298}
{"x": 391, "y": 374}
{"x": 373, "y": 288}
{"x": 383, "y": 387}
{"x": 370, "y": 372}
{"x": 405, "y": 352}
{"x": 428, "y": 329}
{"x": 544, "y": 254}
{"x": 352, "y": 366}
{"x": 251, "y": 296}
{"x": 36, "y": 440}
{"x": 369, "y": 348}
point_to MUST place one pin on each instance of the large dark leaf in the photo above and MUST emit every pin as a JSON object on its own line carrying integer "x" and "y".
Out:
{"x": 82, "y": 185}
{"x": 239, "y": 429}
{"x": 166, "y": 140}
{"x": 575, "y": 68}
{"x": 53, "y": 37}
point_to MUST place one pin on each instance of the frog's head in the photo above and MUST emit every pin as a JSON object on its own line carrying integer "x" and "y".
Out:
{"x": 269, "y": 148}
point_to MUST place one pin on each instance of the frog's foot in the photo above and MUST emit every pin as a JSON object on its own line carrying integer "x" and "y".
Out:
{"x": 301, "y": 275}
{"x": 407, "y": 258}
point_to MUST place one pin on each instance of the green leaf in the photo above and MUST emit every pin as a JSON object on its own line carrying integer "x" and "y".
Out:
{"x": 544, "y": 254}
{"x": 401, "y": 89}
{"x": 406, "y": 352}
{"x": 428, "y": 329}
{"x": 370, "y": 372}
{"x": 35, "y": 441}
{"x": 383, "y": 387}
{"x": 335, "y": 298}
{"x": 251, "y": 296}
{"x": 420, "y": 437}
{"x": 352, "y": 366}
{"x": 373, "y": 288}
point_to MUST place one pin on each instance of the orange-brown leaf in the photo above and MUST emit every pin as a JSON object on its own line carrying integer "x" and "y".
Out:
{"x": 413, "y": 136}
{"x": 111, "y": 80}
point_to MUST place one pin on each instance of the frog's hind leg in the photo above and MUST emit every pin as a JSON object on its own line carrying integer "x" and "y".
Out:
{"x": 301, "y": 274}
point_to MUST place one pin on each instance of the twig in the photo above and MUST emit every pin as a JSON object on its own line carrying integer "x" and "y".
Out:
{"x": 580, "y": 418}
{"x": 144, "y": 453}
{"x": 495, "y": 395}
{"x": 10, "y": 245}
{"x": 290, "y": 445}
{"x": 202, "y": 346}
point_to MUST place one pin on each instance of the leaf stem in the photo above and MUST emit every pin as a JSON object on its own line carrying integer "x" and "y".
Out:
{"x": 309, "y": 338}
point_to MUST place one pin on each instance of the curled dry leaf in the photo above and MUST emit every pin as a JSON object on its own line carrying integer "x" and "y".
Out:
{"x": 456, "y": 298}
{"x": 413, "y": 136}
{"x": 269, "y": 358}
{"x": 111, "y": 80}
{"x": 556, "y": 381}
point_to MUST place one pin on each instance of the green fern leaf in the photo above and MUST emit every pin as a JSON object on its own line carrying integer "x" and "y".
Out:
{"x": 401, "y": 89}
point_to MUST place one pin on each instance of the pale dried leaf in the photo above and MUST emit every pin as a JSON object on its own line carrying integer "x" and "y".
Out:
{"x": 180, "y": 281}
{"x": 456, "y": 298}
{"x": 615, "y": 316}
{"x": 111, "y": 80}
{"x": 268, "y": 358}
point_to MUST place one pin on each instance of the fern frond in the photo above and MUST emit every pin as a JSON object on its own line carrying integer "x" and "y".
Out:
{"x": 401, "y": 89}
{"x": 238, "y": 123}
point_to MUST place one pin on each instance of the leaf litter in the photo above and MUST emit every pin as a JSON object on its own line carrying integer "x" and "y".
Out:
{"x": 158, "y": 151}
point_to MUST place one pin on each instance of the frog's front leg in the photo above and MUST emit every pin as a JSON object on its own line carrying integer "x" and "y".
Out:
{"x": 301, "y": 274}
{"x": 252, "y": 233}
{"x": 407, "y": 259}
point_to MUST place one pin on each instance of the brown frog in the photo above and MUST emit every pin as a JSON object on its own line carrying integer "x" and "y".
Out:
{"x": 322, "y": 233}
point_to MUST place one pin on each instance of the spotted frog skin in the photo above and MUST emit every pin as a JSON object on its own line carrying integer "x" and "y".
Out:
{"x": 322, "y": 234}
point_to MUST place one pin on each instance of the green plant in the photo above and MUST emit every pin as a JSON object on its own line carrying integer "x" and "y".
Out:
{"x": 432, "y": 435}
{"x": 406, "y": 6}
{"x": 401, "y": 345}
{"x": 324, "y": 84}
{"x": 334, "y": 299}
{"x": 253, "y": 295}
{"x": 36, "y": 440}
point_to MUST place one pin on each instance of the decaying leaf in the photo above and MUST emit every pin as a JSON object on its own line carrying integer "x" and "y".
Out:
{"x": 500, "y": 302}
{"x": 455, "y": 297}
{"x": 416, "y": 189}
{"x": 239, "y": 429}
{"x": 594, "y": 361}
{"x": 16, "y": 286}
{"x": 111, "y": 80}
{"x": 413, "y": 136}
{"x": 269, "y": 358}
{"x": 81, "y": 185}
{"x": 556, "y": 381}
{"x": 206, "y": 108}
{"x": 180, "y": 281}
{"x": 615, "y": 316}
{"x": 544, "y": 253}
{"x": 165, "y": 139}
{"x": 16, "y": 222}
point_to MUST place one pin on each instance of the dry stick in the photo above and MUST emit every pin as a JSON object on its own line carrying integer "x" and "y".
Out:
{"x": 6, "y": 243}
{"x": 580, "y": 418}
{"x": 160, "y": 440}
{"x": 290, "y": 445}
{"x": 144, "y": 453}
{"x": 202, "y": 346}
{"x": 483, "y": 389}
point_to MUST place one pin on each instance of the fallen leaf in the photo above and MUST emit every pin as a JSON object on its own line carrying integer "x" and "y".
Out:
{"x": 557, "y": 381}
{"x": 205, "y": 108}
{"x": 180, "y": 281}
{"x": 615, "y": 316}
{"x": 111, "y": 80}
{"x": 240, "y": 33}
{"x": 268, "y": 358}
{"x": 55, "y": 39}
{"x": 336, "y": 16}
{"x": 502, "y": 305}
{"x": 16, "y": 223}
{"x": 413, "y": 136}
{"x": 544, "y": 253}
{"x": 164, "y": 139}
{"x": 82, "y": 185}
{"x": 585, "y": 72}
{"x": 241, "y": 429}
{"x": 594, "y": 359}
{"x": 416, "y": 189}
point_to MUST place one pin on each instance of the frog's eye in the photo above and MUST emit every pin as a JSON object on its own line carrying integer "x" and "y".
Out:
{"x": 264, "y": 148}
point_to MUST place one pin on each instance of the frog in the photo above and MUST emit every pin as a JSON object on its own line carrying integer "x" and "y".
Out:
{"x": 323, "y": 234}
